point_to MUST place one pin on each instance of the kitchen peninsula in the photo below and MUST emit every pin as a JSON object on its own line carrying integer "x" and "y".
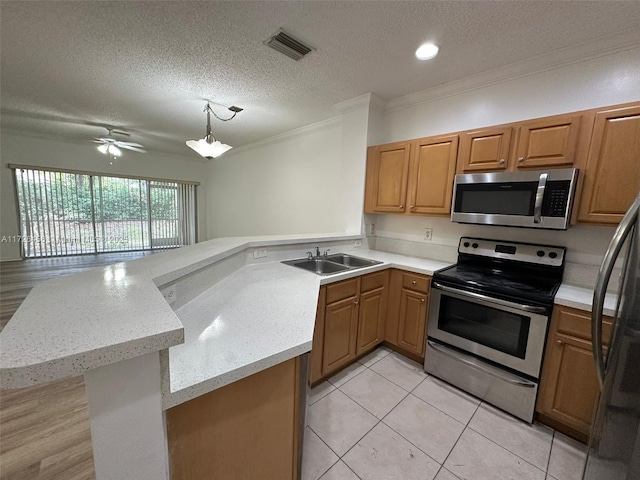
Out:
{"x": 232, "y": 316}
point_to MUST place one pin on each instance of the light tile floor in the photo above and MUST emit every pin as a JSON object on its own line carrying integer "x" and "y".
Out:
{"x": 384, "y": 418}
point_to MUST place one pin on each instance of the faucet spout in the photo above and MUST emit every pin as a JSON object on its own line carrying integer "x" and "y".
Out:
{"x": 318, "y": 252}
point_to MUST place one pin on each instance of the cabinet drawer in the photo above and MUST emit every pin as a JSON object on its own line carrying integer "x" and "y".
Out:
{"x": 578, "y": 324}
{"x": 373, "y": 281}
{"x": 341, "y": 290}
{"x": 416, "y": 282}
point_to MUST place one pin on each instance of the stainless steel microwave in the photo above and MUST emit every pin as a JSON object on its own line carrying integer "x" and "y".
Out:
{"x": 536, "y": 199}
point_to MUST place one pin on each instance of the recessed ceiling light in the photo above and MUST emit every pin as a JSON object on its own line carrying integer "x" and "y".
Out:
{"x": 427, "y": 51}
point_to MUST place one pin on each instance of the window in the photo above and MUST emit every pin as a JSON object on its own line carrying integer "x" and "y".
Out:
{"x": 71, "y": 213}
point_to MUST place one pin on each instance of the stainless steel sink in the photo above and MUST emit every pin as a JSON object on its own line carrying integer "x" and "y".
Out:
{"x": 319, "y": 266}
{"x": 351, "y": 261}
{"x": 339, "y": 262}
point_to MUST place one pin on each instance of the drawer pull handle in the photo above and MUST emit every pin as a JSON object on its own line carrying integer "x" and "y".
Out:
{"x": 413, "y": 282}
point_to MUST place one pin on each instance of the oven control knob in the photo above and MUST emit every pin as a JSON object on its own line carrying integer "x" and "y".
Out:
{"x": 553, "y": 254}
{"x": 466, "y": 244}
{"x": 540, "y": 253}
{"x": 475, "y": 245}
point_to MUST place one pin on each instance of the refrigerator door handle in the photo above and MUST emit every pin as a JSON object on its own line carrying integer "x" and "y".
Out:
{"x": 604, "y": 275}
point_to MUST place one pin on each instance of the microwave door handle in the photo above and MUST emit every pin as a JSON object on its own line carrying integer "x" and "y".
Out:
{"x": 537, "y": 209}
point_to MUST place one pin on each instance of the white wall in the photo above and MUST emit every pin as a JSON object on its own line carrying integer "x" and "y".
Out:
{"x": 605, "y": 80}
{"x": 287, "y": 184}
{"x": 598, "y": 82}
{"x": 44, "y": 152}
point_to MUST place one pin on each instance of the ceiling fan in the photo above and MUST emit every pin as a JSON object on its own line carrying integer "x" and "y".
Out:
{"x": 110, "y": 145}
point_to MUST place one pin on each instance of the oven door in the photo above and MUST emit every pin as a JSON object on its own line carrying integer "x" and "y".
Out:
{"x": 507, "y": 333}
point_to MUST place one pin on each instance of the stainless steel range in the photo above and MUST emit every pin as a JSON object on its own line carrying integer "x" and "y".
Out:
{"x": 488, "y": 320}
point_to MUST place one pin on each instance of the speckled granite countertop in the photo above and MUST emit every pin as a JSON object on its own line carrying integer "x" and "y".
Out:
{"x": 258, "y": 316}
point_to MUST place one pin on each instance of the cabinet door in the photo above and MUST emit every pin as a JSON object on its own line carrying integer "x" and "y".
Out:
{"x": 412, "y": 321}
{"x": 431, "y": 172}
{"x": 340, "y": 332}
{"x": 484, "y": 150}
{"x": 612, "y": 176}
{"x": 393, "y": 308}
{"x": 388, "y": 168}
{"x": 548, "y": 142}
{"x": 569, "y": 382}
{"x": 371, "y": 316}
{"x": 315, "y": 359}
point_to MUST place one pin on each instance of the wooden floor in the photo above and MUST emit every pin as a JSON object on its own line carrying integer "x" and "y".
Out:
{"x": 44, "y": 430}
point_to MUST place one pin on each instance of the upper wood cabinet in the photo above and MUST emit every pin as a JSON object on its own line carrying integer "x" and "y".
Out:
{"x": 387, "y": 168}
{"x": 484, "y": 150}
{"x": 431, "y": 172}
{"x": 411, "y": 177}
{"x": 548, "y": 142}
{"x": 612, "y": 175}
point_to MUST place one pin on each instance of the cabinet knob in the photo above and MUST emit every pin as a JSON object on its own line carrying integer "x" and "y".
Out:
{"x": 412, "y": 207}
{"x": 355, "y": 303}
{"x": 400, "y": 206}
{"x": 521, "y": 159}
{"x": 501, "y": 162}
{"x": 413, "y": 282}
{"x": 559, "y": 342}
{"x": 422, "y": 300}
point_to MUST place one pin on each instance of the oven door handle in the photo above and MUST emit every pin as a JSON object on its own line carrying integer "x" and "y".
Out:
{"x": 537, "y": 209}
{"x": 467, "y": 361}
{"x": 498, "y": 301}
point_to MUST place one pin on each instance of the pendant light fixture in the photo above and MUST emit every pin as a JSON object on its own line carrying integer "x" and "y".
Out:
{"x": 209, "y": 147}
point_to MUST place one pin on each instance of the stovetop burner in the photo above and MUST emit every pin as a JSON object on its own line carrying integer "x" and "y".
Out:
{"x": 508, "y": 270}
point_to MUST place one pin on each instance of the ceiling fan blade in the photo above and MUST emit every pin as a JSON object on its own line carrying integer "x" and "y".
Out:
{"x": 135, "y": 149}
{"x": 128, "y": 144}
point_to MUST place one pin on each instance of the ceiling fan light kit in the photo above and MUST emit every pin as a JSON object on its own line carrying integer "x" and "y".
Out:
{"x": 208, "y": 147}
{"x": 111, "y": 146}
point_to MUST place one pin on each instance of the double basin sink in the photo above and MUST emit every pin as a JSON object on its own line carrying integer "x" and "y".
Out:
{"x": 326, "y": 265}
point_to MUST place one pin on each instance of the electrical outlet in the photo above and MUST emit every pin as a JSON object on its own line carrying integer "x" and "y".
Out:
{"x": 260, "y": 253}
{"x": 169, "y": 294}
{"x": 357, "y": 244}
{"x": 371, "y": 229}
{"x": 427, "y": 234}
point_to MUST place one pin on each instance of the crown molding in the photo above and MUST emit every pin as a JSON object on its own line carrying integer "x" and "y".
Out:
{"x": 582, "y": 52}
{"x": 367, "y": 100}
{"x": 298, "y": 132}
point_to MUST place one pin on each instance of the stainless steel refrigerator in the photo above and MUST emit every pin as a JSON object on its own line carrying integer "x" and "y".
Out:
{"x": 614, "y": 447}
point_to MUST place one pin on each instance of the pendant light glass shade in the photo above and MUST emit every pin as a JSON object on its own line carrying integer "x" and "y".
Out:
{"x": 208, "y": 147}
{"x": 208, "y": 150}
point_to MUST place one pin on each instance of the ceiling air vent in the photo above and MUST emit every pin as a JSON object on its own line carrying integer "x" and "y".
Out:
{"x": 287, "y": 45}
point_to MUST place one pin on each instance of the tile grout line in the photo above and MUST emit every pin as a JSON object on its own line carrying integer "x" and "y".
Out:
{"x": 458, "y": 439}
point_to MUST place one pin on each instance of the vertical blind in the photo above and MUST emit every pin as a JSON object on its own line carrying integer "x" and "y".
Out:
{"x": 69, "y": 213}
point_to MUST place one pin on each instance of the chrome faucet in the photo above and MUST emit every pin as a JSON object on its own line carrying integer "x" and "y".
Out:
{"x": 317, "y": 252}
{"x": 309, "y": 255}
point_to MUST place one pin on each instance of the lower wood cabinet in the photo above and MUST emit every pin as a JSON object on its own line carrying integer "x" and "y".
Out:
{"x": 248, "y": 429}
{"x": 350, "y": 321}
{"x": 569, "y": 386}
{"x": 407, "y": 312}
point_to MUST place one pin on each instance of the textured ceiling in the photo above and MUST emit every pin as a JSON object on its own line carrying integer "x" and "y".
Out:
{"x": 68, "y": 67}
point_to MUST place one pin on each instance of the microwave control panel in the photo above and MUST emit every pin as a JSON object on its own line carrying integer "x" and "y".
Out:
{"x": 556, "y": 197}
